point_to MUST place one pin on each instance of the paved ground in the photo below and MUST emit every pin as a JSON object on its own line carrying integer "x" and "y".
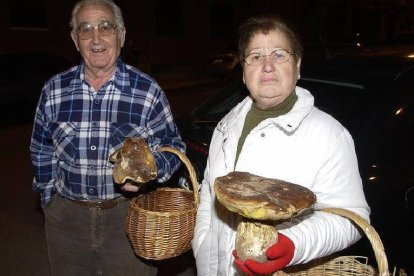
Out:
{"x": 23, "y": 249}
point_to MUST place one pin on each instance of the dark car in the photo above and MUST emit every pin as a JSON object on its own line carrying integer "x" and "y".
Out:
{"x": 22, "y": 76}
{"x": 404, "y": 38}
{"x": 371, "y": 92}
{"x": 221, "y": 65}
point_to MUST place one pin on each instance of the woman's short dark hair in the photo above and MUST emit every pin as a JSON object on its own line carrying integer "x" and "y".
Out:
{"x": 264, "y": 24}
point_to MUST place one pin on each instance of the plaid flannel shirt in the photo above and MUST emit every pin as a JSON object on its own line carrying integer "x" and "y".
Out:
{"x": 76, "y": 129}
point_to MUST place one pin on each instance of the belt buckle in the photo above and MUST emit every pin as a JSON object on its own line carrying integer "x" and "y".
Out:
{"x": 109, "y": 203}
{"x": 106, "y": 204}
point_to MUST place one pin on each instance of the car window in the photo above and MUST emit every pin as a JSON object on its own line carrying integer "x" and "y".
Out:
{"x": 392, "y": 128}
{"x": 218, "y": 106}
{"x": 349, "y": 103}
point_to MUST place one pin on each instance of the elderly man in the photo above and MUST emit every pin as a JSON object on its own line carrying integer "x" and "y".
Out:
{"x": 83, "y": 116}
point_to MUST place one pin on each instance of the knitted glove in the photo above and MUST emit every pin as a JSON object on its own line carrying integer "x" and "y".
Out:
{"x": 280, "y": 254}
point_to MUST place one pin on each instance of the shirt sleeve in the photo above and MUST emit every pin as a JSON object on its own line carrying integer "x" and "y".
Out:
{"x": 164, "y": 132}
{"x": 42, "y": 154}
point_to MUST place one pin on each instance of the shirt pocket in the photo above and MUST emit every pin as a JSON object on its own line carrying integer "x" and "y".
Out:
{"x": 65, "y": 141}
{"x": 120, "y": 131}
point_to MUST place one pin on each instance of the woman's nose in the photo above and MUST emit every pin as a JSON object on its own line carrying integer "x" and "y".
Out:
{"x": 268, "y": 64}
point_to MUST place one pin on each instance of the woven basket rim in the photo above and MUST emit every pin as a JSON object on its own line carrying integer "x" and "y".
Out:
{"x": 329, "y": 263}
{"x": 163, "y": 213}
{"x": 371, "y": 234}
{"x": 190, "y": 169}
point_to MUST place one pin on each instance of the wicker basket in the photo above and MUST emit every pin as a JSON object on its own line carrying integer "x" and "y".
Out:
{"x": 345, "y": 265}
{"x": 160, "y": 224}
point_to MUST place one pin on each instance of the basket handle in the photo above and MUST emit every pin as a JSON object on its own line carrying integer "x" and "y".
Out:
{"x": 371, "y": 234}
{"x": 190, "y": 169}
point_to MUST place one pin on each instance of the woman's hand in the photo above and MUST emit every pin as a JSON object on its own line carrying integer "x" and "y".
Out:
{"x": 280, "y": 254}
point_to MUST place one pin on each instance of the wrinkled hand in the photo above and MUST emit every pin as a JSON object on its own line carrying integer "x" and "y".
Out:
{"x": 280, "y": 254}
{"x": 130, "y": 188}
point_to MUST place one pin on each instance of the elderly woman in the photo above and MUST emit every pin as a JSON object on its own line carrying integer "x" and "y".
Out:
{"x": 277, "y": 132}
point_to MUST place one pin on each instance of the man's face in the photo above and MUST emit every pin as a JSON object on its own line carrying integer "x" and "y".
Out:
{"x": 99, "y": 51}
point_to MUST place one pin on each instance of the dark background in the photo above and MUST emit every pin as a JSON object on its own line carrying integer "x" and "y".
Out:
{"x": 168, "y": 35}
{"x": 163, "y": 37}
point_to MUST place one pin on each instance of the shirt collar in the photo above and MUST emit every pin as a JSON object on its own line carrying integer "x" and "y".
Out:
{"x": 120, "y": 78}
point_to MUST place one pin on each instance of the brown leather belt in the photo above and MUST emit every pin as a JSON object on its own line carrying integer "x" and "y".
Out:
{"x": 101, "y": 204}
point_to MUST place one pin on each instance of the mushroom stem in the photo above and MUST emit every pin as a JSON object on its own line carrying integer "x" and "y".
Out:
{"x": 254, "y": 238}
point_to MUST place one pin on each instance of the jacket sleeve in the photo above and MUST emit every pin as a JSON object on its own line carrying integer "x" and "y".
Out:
{"x": 337, "y": 184}
{"x": 200, "y": 243}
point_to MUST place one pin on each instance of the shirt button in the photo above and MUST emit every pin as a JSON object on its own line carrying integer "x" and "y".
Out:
{"x": 94, "y": 124}
{"x": 262, "y": 134}
{"x": 91, "y": 167}
{"x": 91, "y": 190}
{"x": 93, "y": 147}
{"x": 97, "y": 101}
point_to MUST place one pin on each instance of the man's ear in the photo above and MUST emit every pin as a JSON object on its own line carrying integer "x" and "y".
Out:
{"x": 123, "y": 33}
{"x": 74, "y": 37}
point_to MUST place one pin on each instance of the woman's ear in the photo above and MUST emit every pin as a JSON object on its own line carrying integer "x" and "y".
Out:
{"x": 298, "y": 63}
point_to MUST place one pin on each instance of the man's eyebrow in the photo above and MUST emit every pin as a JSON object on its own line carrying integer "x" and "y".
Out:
{"x": 83, "y": 23}
{"x": 106, "y": 21}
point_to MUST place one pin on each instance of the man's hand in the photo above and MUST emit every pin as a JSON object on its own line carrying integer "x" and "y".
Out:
{"x": 130, "y": 188}
{"x": 280, "y": 254}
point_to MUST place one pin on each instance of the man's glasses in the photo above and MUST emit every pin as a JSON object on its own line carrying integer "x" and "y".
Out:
{"x": 85, "y": 31}
{"x": 277, "y": 56}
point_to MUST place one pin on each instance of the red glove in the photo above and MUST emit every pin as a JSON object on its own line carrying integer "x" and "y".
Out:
{"x": 280, "y": 254}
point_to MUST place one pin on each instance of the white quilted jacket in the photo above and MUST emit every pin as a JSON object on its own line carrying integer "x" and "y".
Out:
{"x": 305, "y": 146}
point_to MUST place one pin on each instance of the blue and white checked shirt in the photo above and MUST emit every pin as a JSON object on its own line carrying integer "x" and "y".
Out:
{"x": 76, "y": 129}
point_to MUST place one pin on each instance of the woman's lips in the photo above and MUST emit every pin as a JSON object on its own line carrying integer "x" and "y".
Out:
{"x": 268, "y": 81}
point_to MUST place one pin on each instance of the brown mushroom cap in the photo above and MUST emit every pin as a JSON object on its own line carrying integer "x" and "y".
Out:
{"x": 262, "y": 198}
{"x": 134, "y": 161}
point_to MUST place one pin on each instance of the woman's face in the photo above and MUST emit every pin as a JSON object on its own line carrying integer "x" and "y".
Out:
{"x": 99, "y": 52}
{"x": 270, "y": 83}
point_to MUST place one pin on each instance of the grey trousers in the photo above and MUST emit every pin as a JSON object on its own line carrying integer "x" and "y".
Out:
{"x": 85, "y": 241}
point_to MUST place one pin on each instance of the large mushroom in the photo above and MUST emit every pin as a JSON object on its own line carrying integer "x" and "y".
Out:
{"x": 262, "y": 202}
{"x": 134, "y": 161}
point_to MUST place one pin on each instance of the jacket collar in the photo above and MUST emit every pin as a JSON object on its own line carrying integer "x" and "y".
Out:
{"x": 288, "y": 122}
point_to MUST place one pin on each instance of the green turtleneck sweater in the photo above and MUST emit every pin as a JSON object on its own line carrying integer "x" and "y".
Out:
{"x": 255, "y": 116}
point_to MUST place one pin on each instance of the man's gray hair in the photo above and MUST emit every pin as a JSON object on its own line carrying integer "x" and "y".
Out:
{"x": 108, "y": 3}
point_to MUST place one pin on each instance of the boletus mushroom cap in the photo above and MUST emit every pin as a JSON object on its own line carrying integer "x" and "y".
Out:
{"x": 134, "y": 161}
{"x": 260, "y": 201}
{"x": 262, "y": 198}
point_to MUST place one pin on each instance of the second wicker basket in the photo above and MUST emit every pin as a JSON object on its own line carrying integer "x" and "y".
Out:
{"x": 160, "y": 224}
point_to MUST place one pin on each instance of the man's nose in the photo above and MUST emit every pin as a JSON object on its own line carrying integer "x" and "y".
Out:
{"x": 96, "y": 36}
